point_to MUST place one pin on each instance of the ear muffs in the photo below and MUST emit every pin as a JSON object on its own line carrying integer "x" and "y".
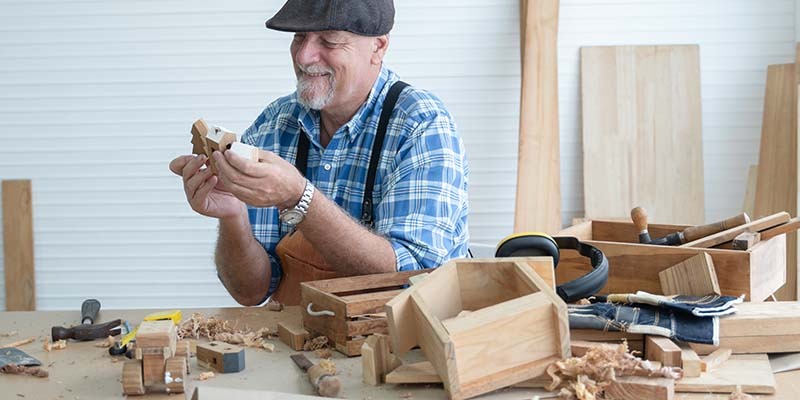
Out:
{"x": 537, "y": 244}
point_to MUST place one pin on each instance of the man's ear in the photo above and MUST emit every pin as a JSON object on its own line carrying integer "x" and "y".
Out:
{"x": 379, "y": 46}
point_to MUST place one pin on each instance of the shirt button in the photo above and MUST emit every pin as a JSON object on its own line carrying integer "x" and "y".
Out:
{"x": 327, "y": 167}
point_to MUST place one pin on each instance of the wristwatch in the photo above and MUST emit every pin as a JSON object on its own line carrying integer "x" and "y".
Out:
{"x": 295, "y": 215}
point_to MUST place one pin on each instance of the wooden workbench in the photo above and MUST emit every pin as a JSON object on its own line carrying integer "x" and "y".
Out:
{"x": 83, "y": 371}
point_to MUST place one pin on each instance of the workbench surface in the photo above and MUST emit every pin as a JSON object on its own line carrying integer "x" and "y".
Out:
{"x": 84, "y": 371}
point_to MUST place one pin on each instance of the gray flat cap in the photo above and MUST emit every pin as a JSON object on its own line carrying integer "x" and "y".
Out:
{"x": 362, "y": 17}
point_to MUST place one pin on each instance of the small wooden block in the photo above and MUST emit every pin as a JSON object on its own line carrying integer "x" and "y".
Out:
{"x": 153, "y": 365}
{"x": 421, "y": 372}
{"x": 199, "y": 132}
{"x": 694, "y": 276}
{"x": 715, "y": 359}
{"x": 377, "y": 361}
{"x": 158, "y": 334}
{"x": 293, "y": 334}
{"x": 369, "y": 365}
{"x": 690, "y": 362}
{"x": 637, "y": 387}
{"x": 751, "y": 372}
{"x": 745, "y": 240}
{"x": 662, "y": 349}
{"x": 221, "y": 357}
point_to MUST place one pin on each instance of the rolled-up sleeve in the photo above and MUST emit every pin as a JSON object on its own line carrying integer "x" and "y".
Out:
{"x": 423, "y": 209}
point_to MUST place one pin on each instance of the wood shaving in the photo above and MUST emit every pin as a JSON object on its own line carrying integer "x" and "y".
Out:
{"x": 204, "y": 376}
{"x": 9, "y": 334}
{"x": 273, "y": 305}
{"x": 198, "y": 326}
{"x": 738, "y": 394}
{"x": 106, "y": 343}
{"x": 268, "y": 347}
{"x": 329, "y": 366}
{"x": 15, "y": 369}
{"x": 59, "y": 345}
{"x": 316, "y": 343}
{"x": 323, "y": 353}
{"x": 585, "y": 378}
{"x": 18, "y": 343}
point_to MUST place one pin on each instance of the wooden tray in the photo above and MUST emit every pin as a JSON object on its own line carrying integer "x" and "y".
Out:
{"x": 757, "y": 273}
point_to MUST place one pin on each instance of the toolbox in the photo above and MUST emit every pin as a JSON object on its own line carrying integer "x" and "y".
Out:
{"x": 756, "y": 273}
{"x": 347, "y": 310}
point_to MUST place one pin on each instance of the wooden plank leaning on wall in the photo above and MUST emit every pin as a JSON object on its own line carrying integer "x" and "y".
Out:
{"x": 18, "y": 245}
{"x": 776, "y": 182}
{"x": 538, "y": 201}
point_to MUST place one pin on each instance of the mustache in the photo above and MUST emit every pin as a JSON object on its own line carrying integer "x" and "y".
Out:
{"x": 314, "y": 69}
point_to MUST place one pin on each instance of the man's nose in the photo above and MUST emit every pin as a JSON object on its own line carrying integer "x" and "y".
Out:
{"x": 307, "y": 52}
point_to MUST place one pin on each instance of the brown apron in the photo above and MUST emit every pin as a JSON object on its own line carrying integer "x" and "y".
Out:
{"x": 301, "y": 262}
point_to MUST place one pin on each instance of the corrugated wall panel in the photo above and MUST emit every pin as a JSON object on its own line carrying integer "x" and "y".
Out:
{"x": 96, "y": 97}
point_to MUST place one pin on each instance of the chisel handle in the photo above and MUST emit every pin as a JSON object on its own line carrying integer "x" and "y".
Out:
{"x": 89, "y": 310}
{"x": 696, "y": 232}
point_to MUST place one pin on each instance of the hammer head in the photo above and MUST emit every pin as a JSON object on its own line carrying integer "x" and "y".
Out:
{"x": 87, "y": 331}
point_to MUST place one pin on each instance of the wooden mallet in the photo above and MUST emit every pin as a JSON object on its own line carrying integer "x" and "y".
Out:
{"x": 323, "y": 381}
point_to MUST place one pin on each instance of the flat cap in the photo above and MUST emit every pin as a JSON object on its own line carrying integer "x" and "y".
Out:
{"x": 362, "y": 17}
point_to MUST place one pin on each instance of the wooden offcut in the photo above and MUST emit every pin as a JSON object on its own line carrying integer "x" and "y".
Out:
{"x": 715, "y": 359}
{"x": 421, "y": 372}
{"x": 663, "y": 350}
{"x": 694, "y": 276}
{"x": 642, "y": 143}
{"x": 691, "y": 364}
{"x": 638, "y": 387}
{"x": 18, "y": 245}
{"x": 776, "y": 187}
{"x": 538, "y": 198}
{"x": 750, "y": 190}
{"x": 751, "y": 372}
{"x": 292, "y": 334}
{"x": 376, "y": 359}
{"x": 769, "y": 327}
{"x": 746, "y": 240}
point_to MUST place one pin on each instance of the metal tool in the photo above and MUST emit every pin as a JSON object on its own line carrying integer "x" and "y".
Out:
{"x": 690, "y": 234}
{"x": 89, "y": 310}
{"x": 87, "y": 331}
{"x": 324, "y": 383}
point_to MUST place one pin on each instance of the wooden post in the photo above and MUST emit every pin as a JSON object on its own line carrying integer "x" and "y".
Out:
{"x": 538, "y": 201}
{"x": 18, "y": 245}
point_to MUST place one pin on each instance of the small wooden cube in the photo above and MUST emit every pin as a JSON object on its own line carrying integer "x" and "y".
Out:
{"x": 158, "y": 334}
{"x": 221, "y": 357}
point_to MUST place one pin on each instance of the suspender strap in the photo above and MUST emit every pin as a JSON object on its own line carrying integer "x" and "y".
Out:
{"x": 301, "y": 162}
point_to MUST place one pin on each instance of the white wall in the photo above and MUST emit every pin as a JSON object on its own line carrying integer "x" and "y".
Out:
{"x": 96, "y": 97}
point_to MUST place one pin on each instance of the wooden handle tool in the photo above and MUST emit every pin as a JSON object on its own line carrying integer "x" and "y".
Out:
{"x": 729, "y": 234}
{"x": 696, "y": 232}
{"x": 324, "y": 383}
{"x": 690, "y": 234}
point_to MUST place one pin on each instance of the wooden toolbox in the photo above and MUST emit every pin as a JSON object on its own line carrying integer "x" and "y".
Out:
{"x": 357, "y": 304}
{"x": 756, "y": 273}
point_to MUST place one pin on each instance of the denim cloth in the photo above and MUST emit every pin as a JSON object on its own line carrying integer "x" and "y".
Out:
{"x": 645, "y": 319}
{"x": 701, "y": 306}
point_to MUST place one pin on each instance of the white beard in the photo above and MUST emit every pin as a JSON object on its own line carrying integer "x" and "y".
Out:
{"x": 315, "y": 97}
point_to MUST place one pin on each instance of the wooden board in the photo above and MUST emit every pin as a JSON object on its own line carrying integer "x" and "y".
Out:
{"x": 663, "y": 350}
{"x": 752, "y": 372}
{"x": 765, "y": 222}
{"x": 776, "y": 186}
{"x": 538, "y": 199}
{"x": 637, "y": 387}
{"x": 750, "y": 190}
{"x": 695, "y": 276}
{"x": 642, "y": 141}
{"x": 18, "y": 245}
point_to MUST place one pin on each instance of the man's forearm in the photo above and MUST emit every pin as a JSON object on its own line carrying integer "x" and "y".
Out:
{"x": 242, "y": 263}
{"x": 344, "y": 243}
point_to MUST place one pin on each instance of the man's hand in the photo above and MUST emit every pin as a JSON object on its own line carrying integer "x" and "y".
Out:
{"x": 205, "y": 192}
{"x": 270, "y": 182}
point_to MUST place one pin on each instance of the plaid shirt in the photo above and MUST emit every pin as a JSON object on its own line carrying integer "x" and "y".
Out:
{"x": 420, "y": 193}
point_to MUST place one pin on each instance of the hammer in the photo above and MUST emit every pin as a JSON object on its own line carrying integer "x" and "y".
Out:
{"x": 692, "y": 233}
{"x": 87, "y": 330}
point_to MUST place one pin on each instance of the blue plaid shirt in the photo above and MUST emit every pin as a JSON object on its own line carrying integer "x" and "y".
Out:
{"x": 420, "y": 193}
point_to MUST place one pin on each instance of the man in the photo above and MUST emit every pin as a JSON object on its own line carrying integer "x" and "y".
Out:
{"x": 277, "y": 228}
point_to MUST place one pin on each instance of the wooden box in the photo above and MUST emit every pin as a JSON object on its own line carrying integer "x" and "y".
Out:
{"x": 356, "y": 304}
{"x": 756, "y": 273}
{"x": 483, "y": 324}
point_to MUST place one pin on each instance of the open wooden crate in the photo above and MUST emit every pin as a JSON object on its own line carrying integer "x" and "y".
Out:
{"x": 484, "y": 324}
{"x": 356, "y": 303}
{"x": 757, "y": 273}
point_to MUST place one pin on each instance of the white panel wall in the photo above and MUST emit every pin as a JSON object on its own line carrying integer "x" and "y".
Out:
{"x": 96, "y": 97}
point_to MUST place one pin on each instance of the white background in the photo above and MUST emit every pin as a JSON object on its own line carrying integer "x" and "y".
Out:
{"x": 97, "y": 96}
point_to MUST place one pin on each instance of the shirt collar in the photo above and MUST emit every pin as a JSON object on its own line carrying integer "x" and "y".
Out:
{"x": 309, "y": 119}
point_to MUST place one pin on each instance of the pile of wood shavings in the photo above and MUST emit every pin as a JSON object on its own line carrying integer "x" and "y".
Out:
{"x": 221, "y": 330}
{"x": 329, "y": 366}
{"x": 319, "y": 342}
{"x": 23, "y": 370}
{"x": 585, "y": 378}
{"x": 59, "y": 345}
{"x": 204, "y": 376}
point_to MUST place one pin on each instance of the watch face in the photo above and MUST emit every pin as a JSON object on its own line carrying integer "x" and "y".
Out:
{"x": 292, "y": 217}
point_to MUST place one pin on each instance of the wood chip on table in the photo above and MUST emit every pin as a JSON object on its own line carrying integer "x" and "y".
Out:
{"x": 268, "y": 347}
{"x": 204, "y": 376}
{"x": 586, "y": 377}
{"x": 106, "y": 343}
{"x": 58, "y": 345}
{"x": 18, "y": 343}
{"x": 15, "y": 369}
{"x": 198, "y": 326}
{"x": 9, "y": 334}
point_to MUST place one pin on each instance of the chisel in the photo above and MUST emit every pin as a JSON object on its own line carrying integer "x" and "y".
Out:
{"x": 692, "y": 233}
{"x": 324, "y": 383}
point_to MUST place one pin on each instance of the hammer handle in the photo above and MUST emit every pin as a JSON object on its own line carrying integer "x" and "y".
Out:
{"x": 89, "y": 310}
{"x": 696, "y": 232}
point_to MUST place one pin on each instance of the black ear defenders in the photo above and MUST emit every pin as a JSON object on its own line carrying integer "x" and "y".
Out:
{"x": 535, "y": 244}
